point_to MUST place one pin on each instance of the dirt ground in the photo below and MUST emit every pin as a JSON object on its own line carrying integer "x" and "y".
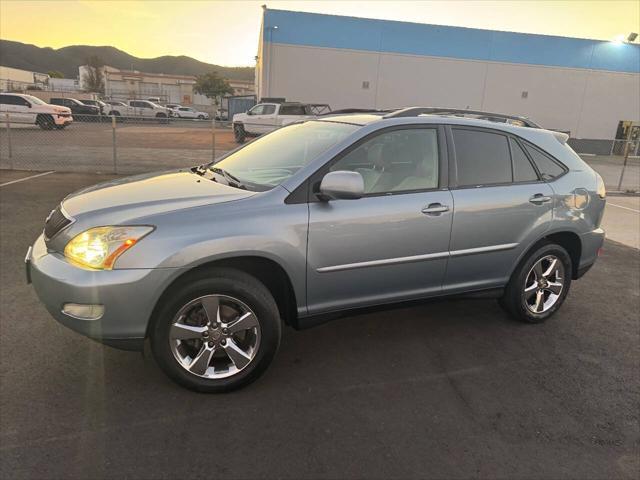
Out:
{"x": 182, "y": 135}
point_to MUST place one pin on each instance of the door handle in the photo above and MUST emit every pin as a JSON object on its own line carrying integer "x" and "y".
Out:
{"x": 539, "y": 199}
{"x": 435, "y": 209}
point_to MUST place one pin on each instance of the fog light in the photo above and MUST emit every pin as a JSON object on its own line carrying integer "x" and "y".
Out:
{"x": 83, "y": 312}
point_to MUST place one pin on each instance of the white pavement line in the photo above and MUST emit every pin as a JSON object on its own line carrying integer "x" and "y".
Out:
{"x": 25, "y": 178}
{"x": 620, "y": 206}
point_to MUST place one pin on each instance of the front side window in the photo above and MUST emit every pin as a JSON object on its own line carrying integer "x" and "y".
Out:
{"x": 268, "y": 109}
{"x": 257, "y": 110}
{"x": 482, "y": 158}
{"x": 548, "y": 168}
{"x": 270, "y": 160}
{"x": 395, "y": 161}
{"x": 35, "y": 100}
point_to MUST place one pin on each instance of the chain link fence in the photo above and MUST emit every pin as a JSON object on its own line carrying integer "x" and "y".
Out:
{"x": 617, "y": 161}
{"x": 121, "y": 145}
{"x": 127, "y": 145}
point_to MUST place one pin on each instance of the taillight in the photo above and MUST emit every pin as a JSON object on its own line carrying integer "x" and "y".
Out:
{"x": 601, "y": 190}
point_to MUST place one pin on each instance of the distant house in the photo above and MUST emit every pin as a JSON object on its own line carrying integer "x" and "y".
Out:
{"x": 169, "y": 88}
{"x": 15, "y": 79}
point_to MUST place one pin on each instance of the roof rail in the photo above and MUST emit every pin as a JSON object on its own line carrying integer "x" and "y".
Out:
{"x": 357, "y": 110}
{"x": 494, "y": 117}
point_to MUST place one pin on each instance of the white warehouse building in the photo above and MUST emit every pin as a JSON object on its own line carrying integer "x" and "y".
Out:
{"x": 584, "y": 87}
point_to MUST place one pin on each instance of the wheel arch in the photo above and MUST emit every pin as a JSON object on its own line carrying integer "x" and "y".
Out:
{"x": 268, "y": 271}
{"x": 567, "y": 239}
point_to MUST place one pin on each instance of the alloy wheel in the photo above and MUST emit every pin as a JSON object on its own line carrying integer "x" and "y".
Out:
{"x": 544, "y": 284}
{"x": 215, "y": 336}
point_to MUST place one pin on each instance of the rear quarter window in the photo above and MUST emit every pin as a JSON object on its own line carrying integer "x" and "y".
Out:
{"x": 548, "y": 167}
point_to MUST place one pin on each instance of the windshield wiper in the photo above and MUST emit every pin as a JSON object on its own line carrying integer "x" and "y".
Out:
{"x": 229, "y": 177}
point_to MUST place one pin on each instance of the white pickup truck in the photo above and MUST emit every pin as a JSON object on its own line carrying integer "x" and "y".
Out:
{"x": 265, "y": 117}
{"x": 138, "y": 108}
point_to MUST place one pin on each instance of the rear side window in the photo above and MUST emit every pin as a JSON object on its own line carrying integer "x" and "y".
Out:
{"x": 547, "y": 167}
{"x": 482, "y": 158}
{"x": 292, "y": 110}
{"x": 523, "y": 171}
{"x": 10, "y": 100}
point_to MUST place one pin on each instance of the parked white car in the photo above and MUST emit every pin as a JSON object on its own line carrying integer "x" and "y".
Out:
{"x": 188, "y": 112}
{"x": 266, "y": 117}
{"x": 18, "y": 108}
{"x": 139, "y": 108}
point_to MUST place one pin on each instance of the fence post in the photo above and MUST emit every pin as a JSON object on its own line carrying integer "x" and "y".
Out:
{"x": 9, "y": 147}
{"x": 213, "y": 139}
{"x": 626, "y": 159}
{"x": 113, "y": 137}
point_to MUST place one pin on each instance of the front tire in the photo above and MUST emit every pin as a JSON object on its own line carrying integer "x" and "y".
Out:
{"x": 45, "y": 122}
{"x": 218, "y": 331}
{"x": 538, "y": 287}
{"x": 239, "y": 133}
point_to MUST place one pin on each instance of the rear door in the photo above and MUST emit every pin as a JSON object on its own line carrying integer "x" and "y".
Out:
{"x": 392, "y": 244}
{"x": 501, "y": 207}
{"x": 8, "y": 109}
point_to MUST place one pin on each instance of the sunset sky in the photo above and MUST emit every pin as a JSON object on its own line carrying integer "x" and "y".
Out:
{"x": 226, "y": 32}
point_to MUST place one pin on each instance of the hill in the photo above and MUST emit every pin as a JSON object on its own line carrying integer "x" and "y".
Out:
{"x": 68, "y": 59}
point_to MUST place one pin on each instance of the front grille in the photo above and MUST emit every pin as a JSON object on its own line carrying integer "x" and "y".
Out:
{"x": 55, "y": 222}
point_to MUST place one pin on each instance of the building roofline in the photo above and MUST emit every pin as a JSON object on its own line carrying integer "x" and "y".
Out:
{"x": 399, "y": 37}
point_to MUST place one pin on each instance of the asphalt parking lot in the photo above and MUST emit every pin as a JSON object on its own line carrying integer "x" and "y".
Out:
{"x": 450, "y": 389}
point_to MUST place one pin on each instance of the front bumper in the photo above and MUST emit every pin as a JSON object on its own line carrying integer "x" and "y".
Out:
{"x": 128, "y": 296}
{"x": 62, "y": 119}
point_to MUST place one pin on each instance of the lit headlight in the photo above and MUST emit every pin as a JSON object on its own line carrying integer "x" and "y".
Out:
{"x": 98, "y": 248}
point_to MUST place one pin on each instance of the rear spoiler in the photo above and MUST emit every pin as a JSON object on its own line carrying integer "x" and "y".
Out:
{"x": 560, "y": 136}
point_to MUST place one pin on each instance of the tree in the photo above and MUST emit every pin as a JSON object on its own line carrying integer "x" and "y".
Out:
{"x": 93, "y": 79}
{"x": 55, "y": 74}
{"x": 212, "y": 86}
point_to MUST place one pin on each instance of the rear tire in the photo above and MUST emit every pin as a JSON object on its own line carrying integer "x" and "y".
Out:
{"x": 538, "y": 287}
{"x": 45, "y": 122}
{"x": 177, "y": 356}
{"x": 239, "y": 133}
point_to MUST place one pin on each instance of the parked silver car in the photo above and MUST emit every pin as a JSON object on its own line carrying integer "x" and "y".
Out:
{"x": 313, "y": 220}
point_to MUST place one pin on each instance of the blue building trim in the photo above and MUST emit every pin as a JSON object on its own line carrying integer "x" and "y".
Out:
{"x": 331, "y": 31}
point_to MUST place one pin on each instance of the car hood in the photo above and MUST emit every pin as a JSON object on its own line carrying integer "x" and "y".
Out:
{"x": 143, "y": 195}
{"x": 59, "y": 109}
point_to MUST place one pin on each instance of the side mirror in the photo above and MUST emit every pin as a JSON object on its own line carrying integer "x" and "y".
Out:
{"x": 342, "y": 185}
{"x": 249, "y": 112}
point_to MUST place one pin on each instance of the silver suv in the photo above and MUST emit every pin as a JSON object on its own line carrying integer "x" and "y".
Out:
{"x": 313, "y": 220}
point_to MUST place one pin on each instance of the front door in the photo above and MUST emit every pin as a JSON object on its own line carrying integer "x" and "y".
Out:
{"x": 392, "y": 244}
{"x": 263, "y": 120}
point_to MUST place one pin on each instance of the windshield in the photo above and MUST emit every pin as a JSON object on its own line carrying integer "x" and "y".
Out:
{"x": 272, "y": 159}
{"x": 34, "y": 100}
